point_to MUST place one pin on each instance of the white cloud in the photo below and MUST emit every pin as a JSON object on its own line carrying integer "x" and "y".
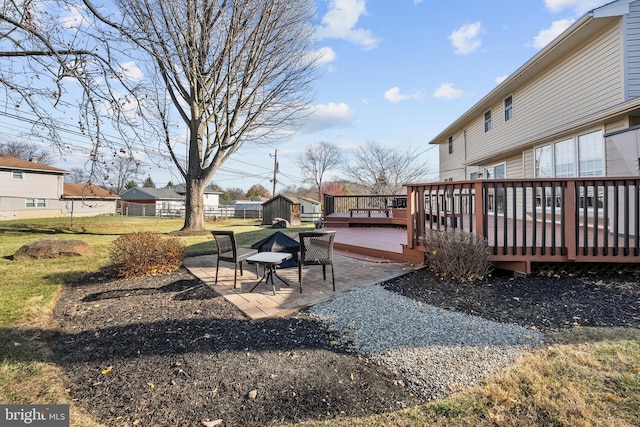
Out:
{"x": 74, "y": 17}
{"x": 466, "y": 39}
{"x": 578, "y": 6}
{"x": 394, "y": 95}
{"x": 545, "y": 36}
{"x": 446, "y": 90}
{"x": 340, "y": 23}
{"x": 500, "y": 79}
{"x": 326, "y": 55}
{"x": 328, "y": 116}
{"x": 131, "y": 71}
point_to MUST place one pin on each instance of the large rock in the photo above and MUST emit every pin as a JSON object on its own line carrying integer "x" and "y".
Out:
{"x": 52, "y": 247}
{"x": 280, "y": 223}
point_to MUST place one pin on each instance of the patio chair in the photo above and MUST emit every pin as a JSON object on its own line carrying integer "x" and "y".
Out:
{"x": 229, "y": 251}
{"x": 316, "y": 248}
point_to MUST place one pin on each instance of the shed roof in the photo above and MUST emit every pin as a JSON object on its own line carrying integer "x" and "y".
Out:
{"x": 9, "y": 162}
{"x": 86, "y": 191}
{"x": 312, "y": 201}
{"x": 146, "y": 193}
{"x": 182, "y": 189}
{"x": 292, "y": 199}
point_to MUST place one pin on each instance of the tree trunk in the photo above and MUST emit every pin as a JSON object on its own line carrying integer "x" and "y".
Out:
{"x": 194, "y": 205}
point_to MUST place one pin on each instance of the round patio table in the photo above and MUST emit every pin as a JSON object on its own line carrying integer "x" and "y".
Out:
{"x": 270, "y": 260}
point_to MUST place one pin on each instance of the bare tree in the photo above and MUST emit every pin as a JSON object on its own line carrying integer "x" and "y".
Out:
{"x": 233, "y": 72}
{"x": 235, "y": 193}
{"x": 47, "y": 55}
{"x": 384, "y": 170}
{"x": 116, "y": 172}
{"x": 27, "y": 151}
{"x": 78, "y": 176}
{"x": 258, "y": 190}
{"x": 317, "y": 160}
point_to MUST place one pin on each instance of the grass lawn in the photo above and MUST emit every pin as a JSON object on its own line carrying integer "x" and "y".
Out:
{"x": 587, "y": 377}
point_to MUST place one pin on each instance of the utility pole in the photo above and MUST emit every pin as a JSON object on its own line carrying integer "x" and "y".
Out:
{"x": 275, "y": 172}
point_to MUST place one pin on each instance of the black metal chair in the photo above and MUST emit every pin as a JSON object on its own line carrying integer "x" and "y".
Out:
{"x": 229, "y": 251}
{"x": 316, "y": 248}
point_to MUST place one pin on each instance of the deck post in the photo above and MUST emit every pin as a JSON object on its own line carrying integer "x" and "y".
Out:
{"x": 570, "y": 228}
{"x": 478, "y": 188}
{"x": 411, "y": 217}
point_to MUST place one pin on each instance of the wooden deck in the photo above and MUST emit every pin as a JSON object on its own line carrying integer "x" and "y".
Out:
{"x": 392, "y": 218}
{"x": 572, "y": 220}
{"x": 385, "y": 243}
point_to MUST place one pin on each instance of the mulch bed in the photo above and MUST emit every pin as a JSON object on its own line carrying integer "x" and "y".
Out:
{"x": 168, "y": 351}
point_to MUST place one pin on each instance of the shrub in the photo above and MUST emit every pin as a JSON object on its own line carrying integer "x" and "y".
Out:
{"x": 146, "y": 254}
{"x": 461, "y": 256}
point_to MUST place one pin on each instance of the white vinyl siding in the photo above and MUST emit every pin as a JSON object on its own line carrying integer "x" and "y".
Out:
{"x": 587, "y": 80}
{"x": 452, "y": 165}
{"x": 633, "y": 51}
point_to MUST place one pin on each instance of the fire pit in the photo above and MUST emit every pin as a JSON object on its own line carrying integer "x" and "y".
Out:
{"x": 280, "y": 242}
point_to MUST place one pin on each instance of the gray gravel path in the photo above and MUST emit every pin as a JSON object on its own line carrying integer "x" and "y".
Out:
{"x": 436, "y": 350}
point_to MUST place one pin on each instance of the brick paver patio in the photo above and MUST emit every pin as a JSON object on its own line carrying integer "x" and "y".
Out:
{"x": 351, "y": 271}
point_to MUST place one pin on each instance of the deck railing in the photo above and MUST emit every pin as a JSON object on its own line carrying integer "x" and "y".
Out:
{"x": 539, "y": 220}
{"x": 359, "y": 204}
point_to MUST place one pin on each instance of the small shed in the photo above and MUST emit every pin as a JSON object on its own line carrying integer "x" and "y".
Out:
{"x": 310, "y": 210}
{"x": 281, "y": 206}
{"x": 145, "y": 201}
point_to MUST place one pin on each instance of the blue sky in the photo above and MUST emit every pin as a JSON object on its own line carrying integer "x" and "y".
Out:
{"x": 397, "y": 73}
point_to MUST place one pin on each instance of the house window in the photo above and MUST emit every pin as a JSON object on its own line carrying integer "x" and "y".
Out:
{"x": 17, "y": 174}
{"x": 508, "y": 108}
{"x": 496, "y": 195}
{"x": 564, "y": 159}
{"x": 591, "y": 154}
{"x": 543, "y": 162}
{"x": 473, "y": 175}
{"x": 487, "y": 121}
{"x": 450, "y": 145}
{"x": 35, "y": 203}
{"x": 496, "y": 172}
{"x": 559, "y": 159}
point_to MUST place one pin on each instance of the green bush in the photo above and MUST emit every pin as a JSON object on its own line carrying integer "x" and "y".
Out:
{"x": 461, "y": 256}
{"x": 146, "y": 254}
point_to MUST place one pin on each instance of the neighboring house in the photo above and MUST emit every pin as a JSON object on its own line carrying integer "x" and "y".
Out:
{"x": 144, "y": 201}
{"x": 30, "y": 190}
{"x": 88, "y": 200}
{"x": 280, "y": 206}
{"x": 211, "y": 198}
{"x": 573, "y": 110}
{"x": 310, "y": 210}
{"x": 247, "y": 209}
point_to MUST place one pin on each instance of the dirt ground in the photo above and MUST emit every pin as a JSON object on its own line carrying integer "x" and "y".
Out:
{"x": 168, "y": 351}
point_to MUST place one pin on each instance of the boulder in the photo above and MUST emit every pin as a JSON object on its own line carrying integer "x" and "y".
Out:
{"x": 280, "y": 223}
{"x": 52, "y": 247}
